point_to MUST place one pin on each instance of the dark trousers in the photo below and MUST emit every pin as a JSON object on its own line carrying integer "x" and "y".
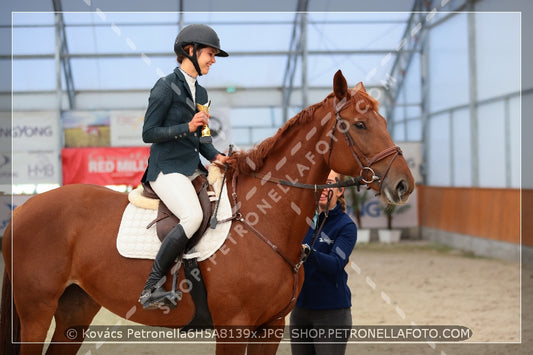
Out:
{"x": 319, "y": 331}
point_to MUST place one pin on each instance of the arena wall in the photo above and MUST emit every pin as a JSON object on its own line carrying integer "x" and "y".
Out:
{"x": 485, "y": 221}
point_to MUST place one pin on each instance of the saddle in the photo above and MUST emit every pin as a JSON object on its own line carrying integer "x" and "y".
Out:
{"x": 166, "y": 220}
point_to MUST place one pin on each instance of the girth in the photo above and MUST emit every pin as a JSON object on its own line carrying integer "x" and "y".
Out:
{"x": 166, "y": 220}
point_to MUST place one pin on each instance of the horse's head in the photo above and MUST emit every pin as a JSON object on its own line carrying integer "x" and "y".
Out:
{"x": 361, "y": 145}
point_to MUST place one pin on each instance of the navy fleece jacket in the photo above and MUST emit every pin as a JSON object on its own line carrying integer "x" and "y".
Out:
{"x": 325, "y": 285}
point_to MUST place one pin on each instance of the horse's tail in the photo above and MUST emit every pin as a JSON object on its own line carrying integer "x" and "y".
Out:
{"x": 9, "y": 328}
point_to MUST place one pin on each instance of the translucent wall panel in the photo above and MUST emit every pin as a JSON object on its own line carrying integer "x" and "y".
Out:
{"x": 33, "y": 18}
{"x": 414, "y": 130}
{"x": 413, "y": 110}
{"x": 34, "y": 74}
{"x": 438, "y": 150}
{"x": 448, "y": 64}
{"x": 462, "y": 151}
{"x": 497, "y": 54}
{"x": 350, "y": 36}
{"x": 399, "y": 132}
{"x": 366, "y": 68}
{"x": 33, "y": 40}
{"x": 252, "y": 125}
{"x": 246, "y": 71}
{"x": 120, "y": 73}
{"x": 121, "y": 39}
{"x": 254, "y": 37}
{"x": 398, "y": 114}
{"x": 491, "y": 131}
{"x": 412, "y": 83}
{"x": 257, "y": 116}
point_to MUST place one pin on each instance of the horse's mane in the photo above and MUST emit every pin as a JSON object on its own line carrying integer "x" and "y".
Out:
{"x": 254, "y": 159}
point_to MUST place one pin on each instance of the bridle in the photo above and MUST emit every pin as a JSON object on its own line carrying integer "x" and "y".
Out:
{"x": 367, "y": 174}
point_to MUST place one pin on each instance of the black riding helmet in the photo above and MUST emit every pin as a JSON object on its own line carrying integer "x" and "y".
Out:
{"x": 197, "y": 35}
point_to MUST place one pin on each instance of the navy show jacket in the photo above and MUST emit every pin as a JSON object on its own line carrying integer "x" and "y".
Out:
{"x": 166, "y": 125}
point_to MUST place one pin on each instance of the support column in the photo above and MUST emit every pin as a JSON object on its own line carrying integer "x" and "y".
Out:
{"x": 473, "y": 97}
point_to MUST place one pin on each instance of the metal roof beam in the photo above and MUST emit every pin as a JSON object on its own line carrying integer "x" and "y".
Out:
{"x": 296, "y": 49}
{"x": 233, "y": 54}
{"x": 64, "y": 53}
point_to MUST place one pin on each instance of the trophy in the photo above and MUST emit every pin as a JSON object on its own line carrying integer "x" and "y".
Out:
{"x": 206, "y": 132}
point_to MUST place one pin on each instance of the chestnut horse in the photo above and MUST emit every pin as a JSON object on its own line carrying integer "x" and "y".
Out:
{"x": 61, "y": 259}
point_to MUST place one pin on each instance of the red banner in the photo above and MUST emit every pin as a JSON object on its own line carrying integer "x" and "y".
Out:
{"x": 104, "y": 166}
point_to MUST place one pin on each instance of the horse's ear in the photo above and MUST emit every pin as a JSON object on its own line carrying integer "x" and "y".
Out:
{"x": 360, "y": 87}
{"x": 340, "y": 86}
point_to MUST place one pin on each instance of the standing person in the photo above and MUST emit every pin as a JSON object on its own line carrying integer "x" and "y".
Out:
{"x": 173, "y": 125}
{"x": 324, "y": 304}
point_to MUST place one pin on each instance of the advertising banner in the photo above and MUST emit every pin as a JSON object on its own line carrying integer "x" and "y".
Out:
{"x": 86, "y": 128}
{"x": 126, "y": 128}
{"x": 39, "y": 167}
{"x": 104, "y": 166}
{"x": 32, "y": 131}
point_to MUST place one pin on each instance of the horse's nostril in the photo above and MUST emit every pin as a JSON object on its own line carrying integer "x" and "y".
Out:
{"x": 401, "y": 188}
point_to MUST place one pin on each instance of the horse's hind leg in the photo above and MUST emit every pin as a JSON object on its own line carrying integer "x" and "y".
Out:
{"x": 75, "y": 312}
{"x": 34, "y": 323}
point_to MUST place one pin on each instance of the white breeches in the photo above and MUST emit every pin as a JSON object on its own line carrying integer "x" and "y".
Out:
{"x": 178, "y": 193}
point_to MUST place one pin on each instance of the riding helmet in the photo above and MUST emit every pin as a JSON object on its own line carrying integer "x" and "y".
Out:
{"x": 198, "y": 34}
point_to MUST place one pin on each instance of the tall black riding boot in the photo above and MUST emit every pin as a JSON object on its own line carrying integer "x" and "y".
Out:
{"x": 153, "y": 294}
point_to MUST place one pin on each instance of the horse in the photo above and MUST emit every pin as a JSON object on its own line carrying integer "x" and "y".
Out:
{"x": 61, "y": 260}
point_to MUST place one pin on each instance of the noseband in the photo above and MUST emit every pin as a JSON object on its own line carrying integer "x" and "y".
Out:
{"x": 367, "y": 174}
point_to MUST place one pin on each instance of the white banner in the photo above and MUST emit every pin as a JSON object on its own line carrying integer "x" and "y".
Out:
{"x": 126, "y": 128}
{"x": 35, "y": 167}
{"x": 32, "y": 131}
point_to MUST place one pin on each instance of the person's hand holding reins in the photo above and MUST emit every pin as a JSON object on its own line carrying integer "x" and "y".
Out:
{"x": 200, "y": 118}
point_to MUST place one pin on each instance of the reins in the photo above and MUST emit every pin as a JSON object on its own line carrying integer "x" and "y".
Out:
{"x": 357, "y": 181}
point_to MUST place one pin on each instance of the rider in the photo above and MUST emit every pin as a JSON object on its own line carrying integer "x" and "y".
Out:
{"x": 173, "y": 125}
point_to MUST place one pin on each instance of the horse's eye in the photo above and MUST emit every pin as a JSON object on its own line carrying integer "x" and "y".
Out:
{"x": 360, "y": 125}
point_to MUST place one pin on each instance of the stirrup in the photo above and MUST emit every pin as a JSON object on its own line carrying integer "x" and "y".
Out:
{"x": 159, "y": 298}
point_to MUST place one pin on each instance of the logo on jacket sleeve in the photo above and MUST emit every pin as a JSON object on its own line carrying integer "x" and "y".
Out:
{"x": 325, "y": 239}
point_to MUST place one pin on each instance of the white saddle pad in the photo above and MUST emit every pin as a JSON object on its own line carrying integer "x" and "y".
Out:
{"x": 135, "y": 241}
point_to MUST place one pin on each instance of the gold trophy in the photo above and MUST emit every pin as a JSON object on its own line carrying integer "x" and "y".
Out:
{"x": 206, "y": 132}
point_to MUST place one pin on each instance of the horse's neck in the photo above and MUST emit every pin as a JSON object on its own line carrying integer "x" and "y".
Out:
{"x": 298, "y": 156}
